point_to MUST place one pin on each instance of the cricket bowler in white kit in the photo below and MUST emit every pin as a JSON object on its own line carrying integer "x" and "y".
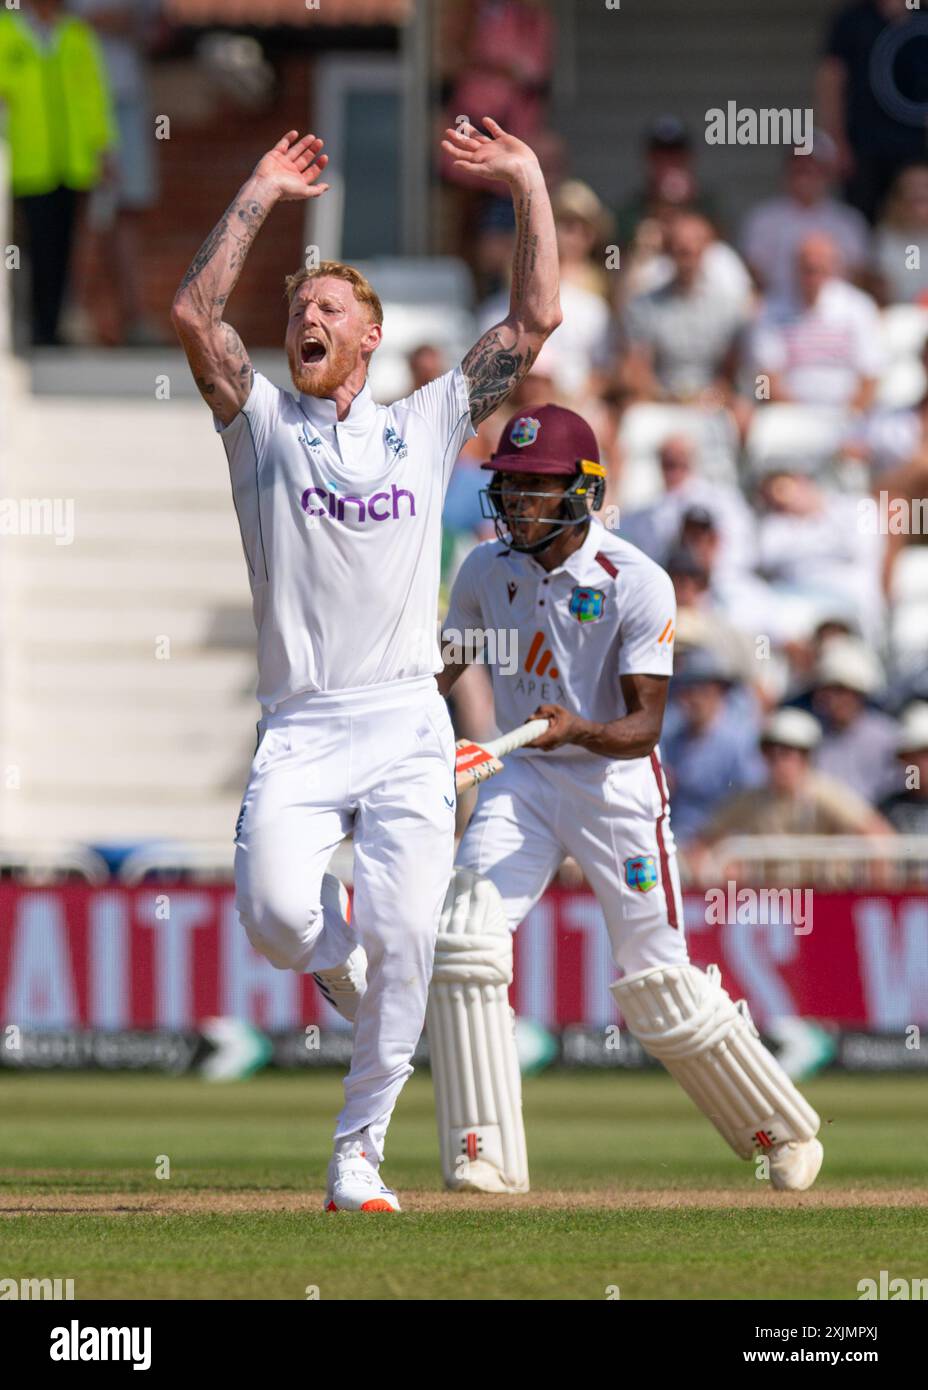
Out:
{"x": 594, "y": 621}
{"x": 339, "y": 503}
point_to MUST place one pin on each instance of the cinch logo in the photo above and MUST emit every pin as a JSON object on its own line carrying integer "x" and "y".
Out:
{"x": 380, "y": 506}
{"x": 544, "y": 661}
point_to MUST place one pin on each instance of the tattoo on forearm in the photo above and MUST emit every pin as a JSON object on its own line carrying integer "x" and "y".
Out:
{"x": 233, "y": 234}
{"x": 523, "y": 261}
{"x": 492, "y": 371}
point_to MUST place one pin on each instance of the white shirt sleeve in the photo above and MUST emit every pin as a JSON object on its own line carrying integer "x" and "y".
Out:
{"x": 246, "y": 437}
{"x": 646, "y": 635}
{"x": 445, "y": 405}
{"x": 464, "y": 609}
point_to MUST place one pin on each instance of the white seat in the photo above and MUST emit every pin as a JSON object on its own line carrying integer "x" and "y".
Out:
{"x": 792, "y": 431}
{"x": 642, "y": 433}
{"x": 902, "y": 385}
{"x": 905, "y": 328}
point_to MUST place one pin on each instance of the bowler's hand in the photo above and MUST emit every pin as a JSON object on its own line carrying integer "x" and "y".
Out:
{"x": 563, "y": 727}
{"x": 504, "y": 157}
{"x": 291, "y": 168}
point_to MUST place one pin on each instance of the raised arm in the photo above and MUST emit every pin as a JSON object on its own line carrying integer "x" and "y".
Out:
{"x": 216, "y": 353}
{"x": 504, "y": 354}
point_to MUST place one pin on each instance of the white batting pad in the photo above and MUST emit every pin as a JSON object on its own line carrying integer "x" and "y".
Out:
{"x": 684, "y": 1017}
{"x": 475, "y": 1069}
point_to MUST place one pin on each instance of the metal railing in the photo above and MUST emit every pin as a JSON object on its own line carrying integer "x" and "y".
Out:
{"x": 825, "y": 861}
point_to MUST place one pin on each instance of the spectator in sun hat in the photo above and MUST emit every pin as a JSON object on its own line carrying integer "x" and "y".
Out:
{"x": 794, "y": 798}
{"x": 858, "y": 745}
{"x": 907, "y": 809}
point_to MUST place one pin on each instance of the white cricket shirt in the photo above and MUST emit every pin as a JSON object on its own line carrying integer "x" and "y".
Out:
{"x": 341, "y": 528}
{"x": 608, "y": 611}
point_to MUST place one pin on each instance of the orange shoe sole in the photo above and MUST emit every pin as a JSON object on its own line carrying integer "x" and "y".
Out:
{"x": 375, "y": 1204}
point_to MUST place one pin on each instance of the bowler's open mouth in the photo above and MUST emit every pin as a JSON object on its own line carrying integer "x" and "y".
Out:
{"x": 312, "y": 350}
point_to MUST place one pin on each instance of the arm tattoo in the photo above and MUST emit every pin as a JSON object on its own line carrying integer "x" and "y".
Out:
{"x": 492, "y": 371}
{"x": 523, "y": 262}
{"x": 239, "y": 225}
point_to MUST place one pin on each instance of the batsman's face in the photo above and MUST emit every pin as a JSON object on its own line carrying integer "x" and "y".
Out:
{"x": 329, "y": 335}
{"x": 531, "y": 501}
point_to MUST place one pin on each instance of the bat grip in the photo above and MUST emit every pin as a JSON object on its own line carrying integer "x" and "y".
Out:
{"x": 516, "y": 738}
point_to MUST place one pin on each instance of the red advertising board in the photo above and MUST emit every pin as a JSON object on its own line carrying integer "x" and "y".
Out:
{"x": 163, "y": 956}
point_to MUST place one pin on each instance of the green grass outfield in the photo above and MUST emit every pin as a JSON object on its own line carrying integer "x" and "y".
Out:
{"x": 633, "y": 1190}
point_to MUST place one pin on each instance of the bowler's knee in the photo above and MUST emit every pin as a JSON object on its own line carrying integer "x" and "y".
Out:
{"x": 280, "y": 930}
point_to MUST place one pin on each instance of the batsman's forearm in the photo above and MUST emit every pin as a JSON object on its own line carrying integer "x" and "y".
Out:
{"x": 533, "y": 298}
{"x": 213, "y": 273}
{"x": 633, "y": 736}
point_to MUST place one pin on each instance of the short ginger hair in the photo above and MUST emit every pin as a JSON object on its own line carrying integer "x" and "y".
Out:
{"x": 364, "y": 291}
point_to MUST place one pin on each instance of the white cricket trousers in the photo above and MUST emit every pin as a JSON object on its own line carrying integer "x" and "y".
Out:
{"x": 378, "y": 761}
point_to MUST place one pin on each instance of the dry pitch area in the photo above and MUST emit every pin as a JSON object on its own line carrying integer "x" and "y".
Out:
{"x": 633, "y": 1190}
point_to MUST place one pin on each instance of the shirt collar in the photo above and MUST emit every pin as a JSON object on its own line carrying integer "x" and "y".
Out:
{"x": 578, "y": 562}
{"x": 322, "y": 410}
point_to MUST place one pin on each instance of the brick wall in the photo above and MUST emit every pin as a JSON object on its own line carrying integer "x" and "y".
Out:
{"x": 212, "y": 148}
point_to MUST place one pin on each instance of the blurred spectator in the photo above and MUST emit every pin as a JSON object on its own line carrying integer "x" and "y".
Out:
{"x": 774, "y": 230}
{"x": 821, "y": 346}
{"x": 858, "y": 744}
{"x": 114, "y": 212}
{"x": 794, "y": 799}
{"x": 907, "y": 811}
{"x": 814, "y": 554}
{"x": 669, "y": 180}
{"x": 53, "y": 80}
{"x": 501, "y": 56}
{"x": 656, "y": 528}
{"x": 702, "y": 617}
{"x": 583, "y": 229}
{"x": 580, "y": 343}
{"x": 426, "y": 362}
{"x": 681, "y": 338}
{"x": 903, "y": 277}
{"x": 890, "y": 439}
{"x": 712, "y": 750}
{"x": 858, "y": 84}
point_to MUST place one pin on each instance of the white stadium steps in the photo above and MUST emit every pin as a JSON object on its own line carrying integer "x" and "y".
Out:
{"x": 105, "y": 735}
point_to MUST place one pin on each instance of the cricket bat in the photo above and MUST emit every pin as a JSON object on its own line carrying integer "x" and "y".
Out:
{"x": 475, "y": 762}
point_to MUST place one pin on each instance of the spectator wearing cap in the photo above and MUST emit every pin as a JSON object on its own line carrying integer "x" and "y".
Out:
{"x": 703, "y": 622}
{"x": 794, "y": 798}
{"x": 813, "y": 553}
{"x": 822, "y": 344}
{"x": 656, "y": 528}
{"x": 710, "y": 751}
{"x": 858, "y": 746}
{"x": 669, "y": 178}
{"x": 682, "y": 338}
{"x": 774, "y": 230}
{"x": 907, "y": 810}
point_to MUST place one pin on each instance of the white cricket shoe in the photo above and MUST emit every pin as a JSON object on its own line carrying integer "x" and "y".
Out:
{"x": 794, "y": 1166}
{"x": 344, "y": 985}
{"x": 354, "y": 1184}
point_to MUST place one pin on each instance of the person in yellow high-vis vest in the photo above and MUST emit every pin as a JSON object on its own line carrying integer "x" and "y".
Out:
{"x": 59, "y": 125}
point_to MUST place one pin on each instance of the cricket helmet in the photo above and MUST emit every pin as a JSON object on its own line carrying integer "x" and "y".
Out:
{"x": 547, "y": 440}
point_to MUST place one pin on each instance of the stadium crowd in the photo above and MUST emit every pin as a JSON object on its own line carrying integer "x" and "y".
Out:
{"x": 760, "y": 397}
